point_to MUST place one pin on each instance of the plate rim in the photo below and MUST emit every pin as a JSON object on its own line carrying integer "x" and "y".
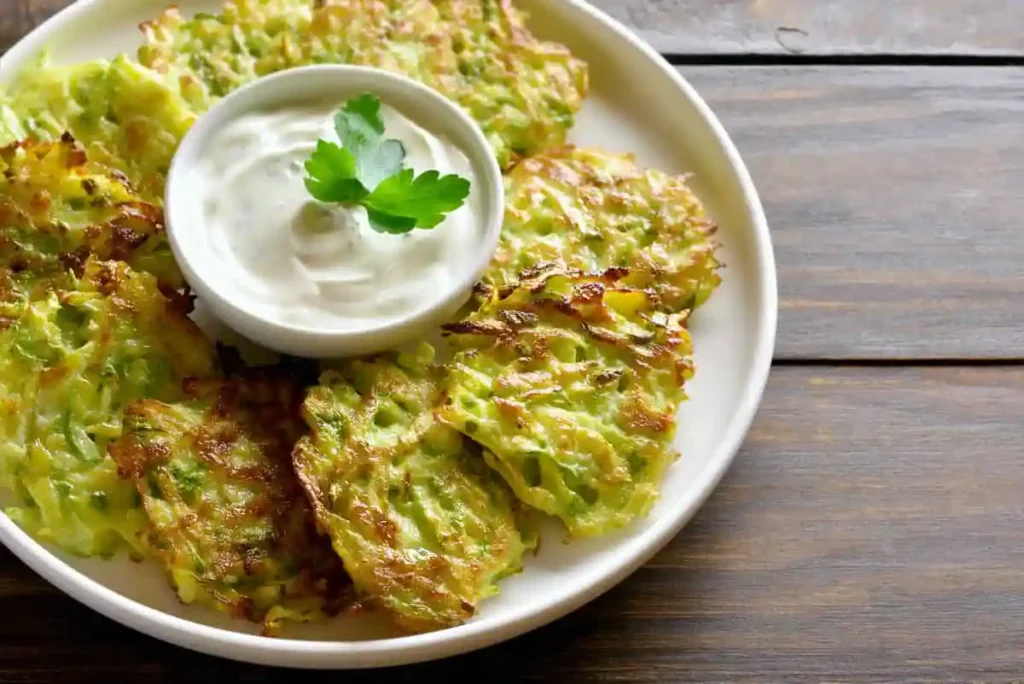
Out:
{"x": 407, "y": 650}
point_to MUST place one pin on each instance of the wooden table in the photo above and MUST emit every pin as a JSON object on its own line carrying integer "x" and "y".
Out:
{"x": 871, "y": 529}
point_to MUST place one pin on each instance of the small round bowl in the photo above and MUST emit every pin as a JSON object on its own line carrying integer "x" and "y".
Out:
{"x": 203, "y": 269}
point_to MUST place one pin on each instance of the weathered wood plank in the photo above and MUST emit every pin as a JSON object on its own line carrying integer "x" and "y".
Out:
{"x": 990, "y": 27}
{"x": 18, "y": 17}
{"x": 869, "y": 531}
{"x": 895, "y": 198}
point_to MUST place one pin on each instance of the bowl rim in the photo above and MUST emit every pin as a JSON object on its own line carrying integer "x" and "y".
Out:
{"x": 276, "y": 91}
{"x": 406, "y": 650}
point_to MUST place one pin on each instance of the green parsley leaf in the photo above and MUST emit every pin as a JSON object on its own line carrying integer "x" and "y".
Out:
{"x": 359, "y": 120}
{"x": 332, "y": 175}
{"x": 361, "y": 129}
{"x": 388, "y": 223}
{"x": 423, "y": 200}
{"x": 382, "y": 162}
{"x": 367, "y": 170}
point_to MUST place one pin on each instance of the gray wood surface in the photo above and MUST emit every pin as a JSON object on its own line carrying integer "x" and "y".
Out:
{"x": 869, "y": 531}
{"x": 896, "y": 203}
{"x": 870, "y": 528}
{"x": 826, "y": 27}
{"x": 17, "y": 17}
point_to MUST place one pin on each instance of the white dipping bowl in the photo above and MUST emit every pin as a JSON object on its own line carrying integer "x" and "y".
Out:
{"x": 203, "y": 269}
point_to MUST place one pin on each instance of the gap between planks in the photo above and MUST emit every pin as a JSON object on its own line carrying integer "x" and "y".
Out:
{"x": 907, "y": 362}
{"x": 867, "y": 59}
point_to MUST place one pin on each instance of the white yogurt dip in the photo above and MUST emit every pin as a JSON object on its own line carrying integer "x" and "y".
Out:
{"x": 289, "y": 258}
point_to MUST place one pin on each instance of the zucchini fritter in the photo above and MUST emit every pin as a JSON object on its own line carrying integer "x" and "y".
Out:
{"x": 55, "y": 212}
{"x": 424, "y": 527}
{"x": 212, "y": 55}
{"x": 125, "y": 115}
{"x": 228, "y": 517}
{"x": 592, "y": 210}
{"x": 524, "y": 92}
{"x": 571, "y": 383}
{"x": 71, "y": 360}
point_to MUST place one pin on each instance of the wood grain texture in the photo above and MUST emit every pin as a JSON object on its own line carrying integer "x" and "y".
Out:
{"x": 869, "y": 531}
{"x": 895, "y": 198}
{"x": 870, "y": 528}
{"x": 18, "y": 17}
{"x": 949, "y": 27}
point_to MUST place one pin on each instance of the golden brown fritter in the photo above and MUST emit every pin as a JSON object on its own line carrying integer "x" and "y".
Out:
{"x": 82, "y": 334}
{"x": 227, "y": 516}
{"x": 591, "y": 210}
{"x": 571, "y": 383}
{"x": 57, "y": 209}
{"x": 525, "y": 92}
{"x": 126, "y": 116}
{"x": 71, "y": 359}
{"x": 425, "y": 529}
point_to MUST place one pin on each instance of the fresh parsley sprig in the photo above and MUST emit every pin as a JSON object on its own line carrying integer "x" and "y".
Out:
{"x": 368, "y": 170}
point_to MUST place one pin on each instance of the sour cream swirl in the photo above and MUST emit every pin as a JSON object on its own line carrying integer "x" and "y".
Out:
{"x": 289, "y": 258}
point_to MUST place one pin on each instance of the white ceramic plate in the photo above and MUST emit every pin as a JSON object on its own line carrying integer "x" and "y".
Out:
{"x": 638, "y": 104}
